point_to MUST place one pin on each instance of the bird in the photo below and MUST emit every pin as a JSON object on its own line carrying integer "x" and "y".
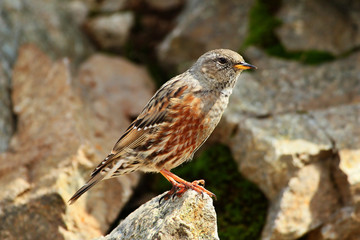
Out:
{"x": 173, "y": 125}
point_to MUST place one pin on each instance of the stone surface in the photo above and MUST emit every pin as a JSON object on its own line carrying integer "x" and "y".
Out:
{"x": 319, "y": 25}
{"x": 6, "y": 118}
{"x": 292, "y": 158}
{"x": 104, "y": 6}
{"x": 189, "y": 217}
{"x": 164, "y": 5}
{"x": 271, "y": 151}
{"x": 44, "y": 23}
{"x": 203, "y": 26}
{"x": 110, "y": 31}
{"x": 309, "y": 199}
{"x": 61, "y": 135}
{"x": 281, "y": 86}
{"x": 343, "y": 225}
{"x": 40, "y": 218}
{"x": 78, "y": 10}
{"x": 342, "y": 124}
{"x": 293, "y": 129}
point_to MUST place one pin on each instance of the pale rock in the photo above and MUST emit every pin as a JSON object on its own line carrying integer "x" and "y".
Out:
{"x": 204, "y": 26}
{"x": 342, "y": 124}
{"x": 281, "y": 86}
{"x": 293, "y": 129}
{"x": 318, "y": 25}
{"x": 342, "y": 225}
{"x": 59, "y": 140}
{"x": 110, "y": 5}
{"x": 104, "y": 6}
{"x": 191, "y": 216}
{"x": 270, "y": 151}
{"x": 110, "y": 31}
{"x": 308, "y": 201}
{"x": 79, "y": 11}
{"x": 47, "y": 24}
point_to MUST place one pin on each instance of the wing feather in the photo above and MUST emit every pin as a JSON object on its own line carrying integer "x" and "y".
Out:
{"x": 154, "y": 114}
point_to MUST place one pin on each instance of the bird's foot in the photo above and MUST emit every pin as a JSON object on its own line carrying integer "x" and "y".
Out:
{"x": 172, "y": 192}
{"x": 179, "y": 189}
{"x": 197, "y": 185}
{"x": 180, "y": 186}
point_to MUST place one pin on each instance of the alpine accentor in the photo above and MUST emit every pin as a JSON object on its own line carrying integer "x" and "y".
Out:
{"x": 175, "y": 123}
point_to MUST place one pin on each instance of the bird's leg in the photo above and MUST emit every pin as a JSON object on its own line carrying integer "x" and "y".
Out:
{"x": 175, "y": 187}
{"x": 180, "y": 185}
{"x": 199, "y": 182}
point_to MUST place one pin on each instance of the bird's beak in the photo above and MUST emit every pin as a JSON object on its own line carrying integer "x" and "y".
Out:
{"x": 244, "y": 66}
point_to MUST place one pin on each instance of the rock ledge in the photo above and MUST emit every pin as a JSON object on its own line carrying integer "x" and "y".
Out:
{"x": 189, "y": 217}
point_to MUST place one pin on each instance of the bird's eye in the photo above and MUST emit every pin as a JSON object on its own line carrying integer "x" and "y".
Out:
{"x": 222, "y": 60}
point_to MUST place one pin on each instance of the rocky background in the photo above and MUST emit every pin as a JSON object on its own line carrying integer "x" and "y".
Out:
{"x": 284, "y": 161}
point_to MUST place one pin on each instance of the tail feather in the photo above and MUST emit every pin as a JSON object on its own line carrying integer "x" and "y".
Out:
{"x": 94, "y": 180}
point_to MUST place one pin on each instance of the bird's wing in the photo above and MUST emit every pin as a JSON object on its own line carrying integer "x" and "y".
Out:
{"x": 154, "y": 114}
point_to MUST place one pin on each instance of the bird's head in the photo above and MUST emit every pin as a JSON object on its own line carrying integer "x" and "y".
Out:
{"x": 219, "y": 68}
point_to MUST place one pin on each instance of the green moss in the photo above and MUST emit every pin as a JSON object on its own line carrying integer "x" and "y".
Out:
{"x": 262, "y": 25}
{"x": 241, "y": 207}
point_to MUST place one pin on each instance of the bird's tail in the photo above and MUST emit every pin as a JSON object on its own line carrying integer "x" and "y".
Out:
{"x": 93, "y": 180}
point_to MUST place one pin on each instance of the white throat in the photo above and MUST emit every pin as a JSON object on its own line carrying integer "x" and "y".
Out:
{"x": 226, "y": 92}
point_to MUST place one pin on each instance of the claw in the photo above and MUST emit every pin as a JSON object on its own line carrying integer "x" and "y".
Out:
{"x": 163, "y": 197}
{"x": 180, "y": 186}
{"x": 200, "y": 182}
{"x": 170, "y": 194}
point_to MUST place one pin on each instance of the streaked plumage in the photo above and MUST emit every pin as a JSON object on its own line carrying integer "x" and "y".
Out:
{"x": 175, "y": 123}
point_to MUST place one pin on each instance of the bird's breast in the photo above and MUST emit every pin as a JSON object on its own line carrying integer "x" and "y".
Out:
{"x": 185, "y": 131}
{"x": 192, "y": 120}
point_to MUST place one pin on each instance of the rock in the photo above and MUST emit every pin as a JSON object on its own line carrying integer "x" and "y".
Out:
{"x": 114, "y": 102}
{"x": 343, "y": 225}
{"x": 110, "y": 5}
{"x": 40, "y": 218}
{"x": 188, "y": 217}
{"x": 203, "y": 26}
{"x": 293, "y": 130}
{"x": 44, "y": 23}
{"x": 60, "y": 136}
{"x": 164, "y": 5}
{"x": 110, "y": 31}
{"x": 271, "y": 151}
{"x": 131, "y": 80}
{"x": 282, "y": 86}
{"x": 6, "y": 118}
{"x": 342, "y": 124}
{"x": 309, "y": 200}
{"x": 78, "y": 11}
{"x": 104, "y": 6}
{"x": 318, "y": 25}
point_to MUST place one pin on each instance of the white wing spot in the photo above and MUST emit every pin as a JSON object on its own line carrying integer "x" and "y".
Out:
{"x": 113, "y": 169}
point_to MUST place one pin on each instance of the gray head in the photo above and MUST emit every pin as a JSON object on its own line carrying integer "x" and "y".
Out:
{"x": 219, "y": 68}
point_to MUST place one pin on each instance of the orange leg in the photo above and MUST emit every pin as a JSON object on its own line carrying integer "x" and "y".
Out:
{"x": 180, "y": 186}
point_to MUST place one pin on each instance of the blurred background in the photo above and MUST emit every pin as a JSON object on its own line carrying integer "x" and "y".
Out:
{"x": 284, "y": 162}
